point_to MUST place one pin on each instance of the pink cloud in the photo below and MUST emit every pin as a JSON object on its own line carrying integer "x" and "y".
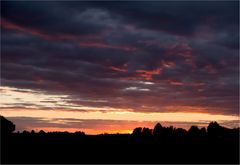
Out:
{"x": 179, "y": 83}
{"x": 118, "y": 69}
{"x": 210, "y": 69}
{"x": 104, "y": 46}
{"x": 147, "y": 74}
{"x": 35, "y": 32}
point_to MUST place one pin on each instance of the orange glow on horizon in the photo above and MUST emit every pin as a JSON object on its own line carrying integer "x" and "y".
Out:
{"x": 86, "y": 131}
{"x": 125, "y": 115}
{"x": 110, "y": 122}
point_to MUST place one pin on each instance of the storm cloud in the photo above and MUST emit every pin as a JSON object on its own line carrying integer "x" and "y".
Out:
{"x": 145, "y": 56}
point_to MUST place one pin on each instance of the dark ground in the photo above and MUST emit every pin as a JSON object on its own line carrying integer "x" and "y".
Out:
{"x": 72, "y": 148}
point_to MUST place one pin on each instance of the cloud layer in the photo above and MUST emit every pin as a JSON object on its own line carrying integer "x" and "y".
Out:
{"x": 142, "y": 56}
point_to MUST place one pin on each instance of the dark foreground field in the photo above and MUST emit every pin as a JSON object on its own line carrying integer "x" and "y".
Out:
{"x": 160, "y": 145}
{"x": 115, "y": 149}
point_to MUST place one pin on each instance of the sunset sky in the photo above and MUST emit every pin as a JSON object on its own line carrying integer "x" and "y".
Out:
{"x": 113, "y": 66}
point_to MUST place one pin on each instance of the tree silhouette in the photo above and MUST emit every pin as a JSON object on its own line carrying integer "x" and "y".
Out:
{"x": 7, "y": 126}
{"x": 194, "y": 131}
{"x": 146, "y": 132}
{"x": 214, "y": 129}
{"x": 41, "y": 132}
{"x": 26, "y": 132}
{"x": 168, "y": 132}
{"x": 180, "y": 133}
{"x": 203, "y": 132}
{"x": 157, "y": 130}
{"x": 137, "y": 131}
{"x": 79, "y": 133}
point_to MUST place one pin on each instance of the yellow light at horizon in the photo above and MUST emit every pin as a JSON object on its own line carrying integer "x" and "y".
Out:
{"x": 85, "y": 130}
{"x": 126, "y": 115}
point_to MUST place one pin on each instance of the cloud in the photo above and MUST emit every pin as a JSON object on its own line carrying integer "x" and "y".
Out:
{"x": 104, "y": 46}
{"x": 167, "y": 53}
{"x": 43, "y": 22}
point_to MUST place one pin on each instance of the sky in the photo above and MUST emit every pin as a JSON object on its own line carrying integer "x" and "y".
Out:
{"x": 107, "y": 67}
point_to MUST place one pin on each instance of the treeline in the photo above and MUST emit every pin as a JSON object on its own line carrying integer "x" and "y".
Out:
{"x": 213, "y": 130}
{"x": 213, "y": 144}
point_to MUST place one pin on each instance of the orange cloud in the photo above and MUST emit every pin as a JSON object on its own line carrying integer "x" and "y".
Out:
{"x": 147, "y": 74}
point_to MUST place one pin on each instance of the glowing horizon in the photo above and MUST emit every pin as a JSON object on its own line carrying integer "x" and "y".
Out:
{"x": 54, "y": 117}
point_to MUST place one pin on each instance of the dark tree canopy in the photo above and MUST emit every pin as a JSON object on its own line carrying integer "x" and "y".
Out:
{"x": 194, "y": 131}
{"x": 146, "y": 132}
{"x": 41, "y": 132}
{"x": 157, "y": 129}
{"x": 137, "y": 131}
{"x": 7, "y": 126}
{"x": 214, "y": 129}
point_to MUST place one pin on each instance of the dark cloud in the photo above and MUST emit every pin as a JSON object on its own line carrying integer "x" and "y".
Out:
{"x": 70, "y": 23}
{"x": 112, "y": 50}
